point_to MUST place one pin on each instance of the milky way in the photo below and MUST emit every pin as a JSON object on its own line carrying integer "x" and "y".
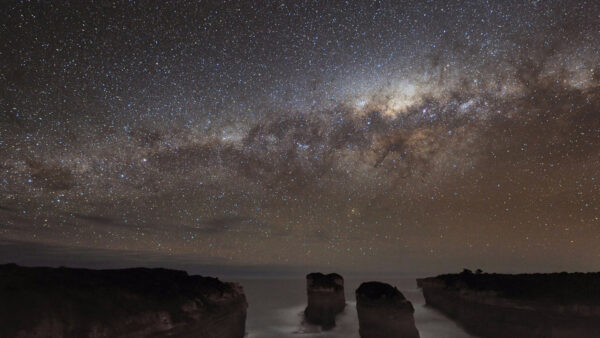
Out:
{"x": 391, "y": 136}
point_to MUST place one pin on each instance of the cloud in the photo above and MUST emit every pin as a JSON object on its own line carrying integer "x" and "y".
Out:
{"x": 36, "y": 253}
{"x": 50, "y": 175}
{"x": 94, "y": 218}
{"x": 222, "y": 224}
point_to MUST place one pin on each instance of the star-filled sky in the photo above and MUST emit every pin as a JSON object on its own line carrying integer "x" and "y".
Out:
{"x": 396, "y": 136}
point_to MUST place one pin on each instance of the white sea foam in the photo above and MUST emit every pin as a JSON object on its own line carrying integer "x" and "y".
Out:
{"x": 276, "y": 310}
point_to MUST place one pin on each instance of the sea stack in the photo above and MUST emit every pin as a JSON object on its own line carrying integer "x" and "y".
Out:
{"x": 133, "y": 303}
{"x": 383, "y": 312}
{"x": 325, "y": 298}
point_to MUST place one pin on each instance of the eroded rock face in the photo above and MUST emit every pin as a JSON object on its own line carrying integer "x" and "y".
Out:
{"x": 326, "y": 299}
{"x": 383, "y": 312}
{"x": 560, "y": 305}
{"x": 140, "y": 302}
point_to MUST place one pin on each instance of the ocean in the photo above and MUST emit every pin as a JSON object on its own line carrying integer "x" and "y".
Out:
{"x": 276, "y": 305}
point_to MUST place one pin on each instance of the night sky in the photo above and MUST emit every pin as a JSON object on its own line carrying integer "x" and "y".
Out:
{"x": 390, "y": 136}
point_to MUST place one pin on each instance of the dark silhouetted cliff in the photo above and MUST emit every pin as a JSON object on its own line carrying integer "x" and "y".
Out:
{"x": 326, "y": 298}
{"x": 140, "y": 302}
{"x": 557, "y": 305}
{"x": 383, "y": 312}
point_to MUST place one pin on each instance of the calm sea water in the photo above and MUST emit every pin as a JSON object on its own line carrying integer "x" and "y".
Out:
{"x": 276, "y": 305}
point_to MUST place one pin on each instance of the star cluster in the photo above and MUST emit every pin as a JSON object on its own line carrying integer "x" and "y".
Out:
{"x": 386, "y": 135}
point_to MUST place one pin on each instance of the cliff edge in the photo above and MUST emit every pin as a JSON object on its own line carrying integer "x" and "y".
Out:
{"x": 139, "y": 302}
{"x": 557, "y": 305}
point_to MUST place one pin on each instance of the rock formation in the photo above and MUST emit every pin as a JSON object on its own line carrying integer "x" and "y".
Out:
{"x": 325, "y": 299}
{"x": 140, "y": 302}
{"x": 556, "y": 305}
{"x": 383, "y": 312}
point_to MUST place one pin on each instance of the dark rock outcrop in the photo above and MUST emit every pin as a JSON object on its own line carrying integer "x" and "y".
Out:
{"x": 383, "y": 312}
{"x": 140, "y": 302}
{"x": 326, "y": 299}
{"x": 556, "y": 305}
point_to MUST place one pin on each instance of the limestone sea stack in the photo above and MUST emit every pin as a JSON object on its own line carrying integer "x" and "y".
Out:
{"x": 556, "y": 305}
{"x": 132, "y": 303}
{"x": 383, "y": 312}
{"x": 326, "y": 299}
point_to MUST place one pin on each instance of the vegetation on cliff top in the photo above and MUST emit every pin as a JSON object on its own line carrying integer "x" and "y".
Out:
{"x": 562, "y": 288}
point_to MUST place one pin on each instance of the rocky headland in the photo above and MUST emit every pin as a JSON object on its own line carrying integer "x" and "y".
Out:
{"x": 557, "y": 305}
{"x": 132, "y": 303}
{"x": 384, "y": 312}
{"x": 326, "y": 299}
